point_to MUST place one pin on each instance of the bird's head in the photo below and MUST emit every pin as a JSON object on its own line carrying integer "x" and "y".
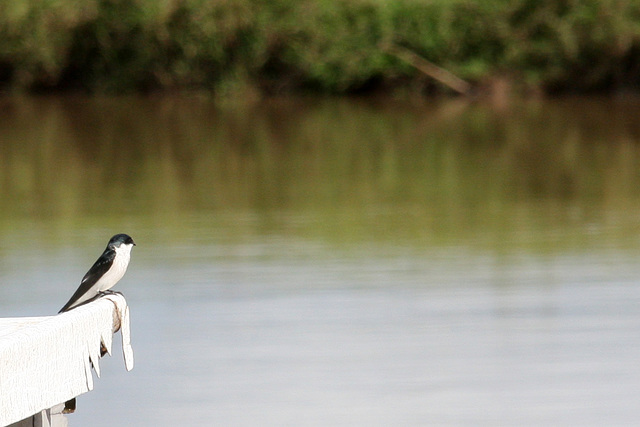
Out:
{"x": 121, "y": 239}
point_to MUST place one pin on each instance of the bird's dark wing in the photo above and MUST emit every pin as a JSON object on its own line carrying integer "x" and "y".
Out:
{"x": 96, "y": 271}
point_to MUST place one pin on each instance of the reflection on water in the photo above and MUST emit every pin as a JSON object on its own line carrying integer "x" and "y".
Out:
{"x": 334, "y": 170}
{"x": 339, "y": 262}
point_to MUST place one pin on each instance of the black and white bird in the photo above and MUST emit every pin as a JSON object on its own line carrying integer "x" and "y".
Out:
{"x": 105, "y": 273}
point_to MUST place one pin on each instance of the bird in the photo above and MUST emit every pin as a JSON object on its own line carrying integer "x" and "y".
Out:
{"x": 104, "y": 273}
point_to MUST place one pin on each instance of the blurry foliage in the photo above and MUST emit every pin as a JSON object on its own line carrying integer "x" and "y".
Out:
{"x": 329, "y": 45}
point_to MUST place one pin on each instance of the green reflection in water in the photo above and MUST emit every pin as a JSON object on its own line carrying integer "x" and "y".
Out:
{"x": 543, "y": 176}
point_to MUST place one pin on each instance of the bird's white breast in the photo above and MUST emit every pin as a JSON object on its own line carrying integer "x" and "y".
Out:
{"x": 117, "y": 270}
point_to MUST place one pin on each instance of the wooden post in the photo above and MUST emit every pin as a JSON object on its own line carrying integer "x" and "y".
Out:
{"x": 45, "y": 361}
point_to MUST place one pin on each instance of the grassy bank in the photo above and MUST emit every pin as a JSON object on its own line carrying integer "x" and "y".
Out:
{"x": 334, "y": 46}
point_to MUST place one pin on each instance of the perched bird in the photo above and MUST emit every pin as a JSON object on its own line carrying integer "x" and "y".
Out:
{"x": 105, "y": 273}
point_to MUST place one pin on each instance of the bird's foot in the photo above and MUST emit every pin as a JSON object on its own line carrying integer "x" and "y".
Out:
{"x": 108, "y": 292}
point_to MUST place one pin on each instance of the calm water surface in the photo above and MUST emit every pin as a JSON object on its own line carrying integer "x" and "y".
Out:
{"x": 339, "y": 262}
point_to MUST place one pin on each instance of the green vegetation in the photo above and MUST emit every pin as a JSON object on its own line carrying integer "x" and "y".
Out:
{"x": 334, "y": 46}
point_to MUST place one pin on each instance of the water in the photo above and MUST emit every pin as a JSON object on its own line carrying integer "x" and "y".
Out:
{"x": 339, "y": 262}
